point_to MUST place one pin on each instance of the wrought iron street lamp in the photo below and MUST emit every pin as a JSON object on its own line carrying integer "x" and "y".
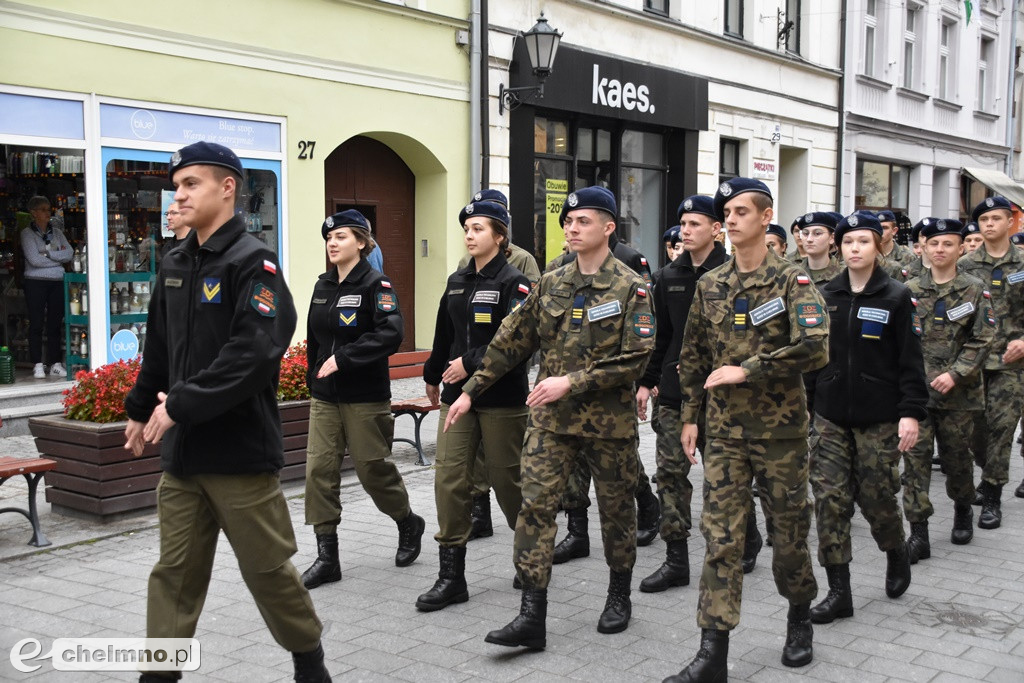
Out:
{"x": 541, "y": 45}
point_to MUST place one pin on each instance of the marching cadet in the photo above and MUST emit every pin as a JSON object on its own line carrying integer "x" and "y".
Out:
{"x": 958, "y": 327}
{"x": 475, "y": 301}
{"x": 353, "y": 325}
{"x": 816, "y": 230}
{"x": 920, "y": 261}
{"x": 867, "y": 404}
{"x": 755, "y": 326}
{"x": 798, "y": 240}
{"x": 591, "y": 320}
{"x": 698, "y": 227}
{"x": 669, "y": 239}
{"x": 1000, "y": 265}
{"x": 524, "y": 262}
{"x": 775, "y": 239}
{"x": 891, "y": 249}
{"x": 220, "y": 320}
{"x": 972, "y": 237}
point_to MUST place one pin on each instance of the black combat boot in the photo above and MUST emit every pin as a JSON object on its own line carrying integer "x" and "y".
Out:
{"x": 979, "y": 492}
{"x": 674, "y": 572}
{"x": 309, "y": 666}
{"x": 991, "y": 515}
{"x": 838, "y": 604}
{"x": 410, "y": 531}
{"x": 963, "y": 524}
{"x": 711, "y": 663}
{"x": 648, "y": 517}
{"x": 326, "y": 568}
{"x": 481, "y": 517}
{"x": 799, "y": 649}
{"x": 1019, "y": 491}
{"x": 897, "y": 572}
{"x": 918, "y": 547}
{"x": 577, "y": 542}
{"x": 527, "y": 629}
{"x": 617, "y": 608}
{"x": 752, "y": 545}
{"x": 450, "y": 586}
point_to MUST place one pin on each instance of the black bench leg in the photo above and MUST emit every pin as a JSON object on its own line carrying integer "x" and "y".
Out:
{"x": 421, "y": 460}
{"x": 38, "y": 538}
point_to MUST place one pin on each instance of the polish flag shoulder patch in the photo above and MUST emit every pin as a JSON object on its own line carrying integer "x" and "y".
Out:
{"x": 270, "y": 266}
{"x": 643, "y": 261}
{"x": 385, "y": 283}
{"x": 641, "y": 292}
{"x": 803, "y": 280}
{"x": 524, "y": 289}
{"x": 985, "y": 293}
{"x": 913, "y": 301}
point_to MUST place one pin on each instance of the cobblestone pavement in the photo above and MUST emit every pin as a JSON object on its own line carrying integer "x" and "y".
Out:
{"x": 959, "y": 621}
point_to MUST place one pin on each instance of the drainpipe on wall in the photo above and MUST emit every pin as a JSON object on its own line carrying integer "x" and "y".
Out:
{"x": 841, "y": 138}
{"x": 474, "y": 97}
{"x": 485, "y": 98}
{"x": 1009, "y": 90}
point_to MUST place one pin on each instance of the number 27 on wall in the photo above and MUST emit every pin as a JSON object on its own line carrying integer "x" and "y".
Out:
{"x": 306, "y": 148}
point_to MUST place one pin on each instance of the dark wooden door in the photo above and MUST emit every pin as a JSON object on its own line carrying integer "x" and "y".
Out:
{"x": 367, "y": 175}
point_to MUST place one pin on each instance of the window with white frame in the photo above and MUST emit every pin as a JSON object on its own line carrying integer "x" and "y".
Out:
{"x": 910, "y": 49}
{"x": 986, "y": 52}
{"x": 947, "y": 59}
{"x": 793, "y": 26}
{"x": 870, "y": 37}
{"x": 734, "y": 18}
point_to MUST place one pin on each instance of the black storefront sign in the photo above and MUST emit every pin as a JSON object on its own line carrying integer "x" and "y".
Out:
{"x": 600, "y": 85}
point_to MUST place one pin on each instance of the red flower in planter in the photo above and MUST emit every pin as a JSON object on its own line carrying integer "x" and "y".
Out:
{"x": 292, "y": 383}
{"x": 98, "y": 395}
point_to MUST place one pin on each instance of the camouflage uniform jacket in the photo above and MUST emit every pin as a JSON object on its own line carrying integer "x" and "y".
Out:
{"x": 957, "y": 335}
{"x": 895, "y": 269}
{"x": 901, "y": 254}
{"x": 771, "y": 322}
{"x": 598, "y": 330}
{"x": 820, "y": 278}
{"x": 1004, "y": 279}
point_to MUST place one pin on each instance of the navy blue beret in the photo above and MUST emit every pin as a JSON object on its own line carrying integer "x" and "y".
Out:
{"x": 593, "y": 197}
{"x": 1017, "y": 238}
{"x": 494, "y": 196}
{"x": 345, "y": 219}
{"x": 990, "y": 204}
{"x": 675, "y": 236}
{"x": 825, "y": 219}
{"x": 484, "y": 208}
{"x": 737, "y": 186}
{"x": 858, "y": 220}
{"x": 778, "y": 231}
{"x": 886, "y": 216}
{"x": 697, "y": 203}
{"x": 970, "y": 229}
{"x": 205, "y": 154}
{"x": 932, "y": 227}
{"x": 667, "y": 235}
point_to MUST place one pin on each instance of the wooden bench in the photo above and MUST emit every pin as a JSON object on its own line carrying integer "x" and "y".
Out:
{"x": 32, "y": 469}
{"x": 408, "y": 364}
{"x": 419, "y": 408}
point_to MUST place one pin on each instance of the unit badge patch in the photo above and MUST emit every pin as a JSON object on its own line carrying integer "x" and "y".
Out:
{"x": 264, "y": 300}
{"x": 643, "y": 324}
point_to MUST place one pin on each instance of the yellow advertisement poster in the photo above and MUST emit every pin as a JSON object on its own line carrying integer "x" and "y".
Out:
{"x": 555, "y": 193}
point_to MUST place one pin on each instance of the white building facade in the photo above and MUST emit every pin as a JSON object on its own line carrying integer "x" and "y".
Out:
{"x": 730, "y": 87}
{"x": 927, "y": 103}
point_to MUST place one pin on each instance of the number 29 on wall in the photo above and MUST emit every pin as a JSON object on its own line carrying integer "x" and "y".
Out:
{"x": 306, "y": 148}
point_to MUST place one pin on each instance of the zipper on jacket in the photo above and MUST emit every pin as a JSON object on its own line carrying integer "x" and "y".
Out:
{"x": 849, "y": 362}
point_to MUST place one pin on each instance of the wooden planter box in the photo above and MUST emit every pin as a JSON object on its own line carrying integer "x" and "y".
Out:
{"x": 97, "y": 477}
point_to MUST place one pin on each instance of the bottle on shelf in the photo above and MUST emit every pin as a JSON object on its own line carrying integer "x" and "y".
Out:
{"x": 85, "y": 258}
{"x": 6, "y": 366}
{"x": 113, "y": 298}
{"x": 75, "y": 303}
{"x": 123, "y": 301}
{"x": 85, "y": 300}
{"x": 83, "y": 346}
{"x": 76, "y": 261}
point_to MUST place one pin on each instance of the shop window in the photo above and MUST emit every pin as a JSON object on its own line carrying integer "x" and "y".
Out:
{"x": 642, "y": 194}
{"x": 25, "y": 172}
{"x": 734, "y": 18}
{"x": 550, "y": 136}
{"x": 552, "y": 168}
{"x": 972, "y": 193}
{"x": 593, "y": 157}
{"x": 728, "y": 159}
{"x": 882, "y": 185}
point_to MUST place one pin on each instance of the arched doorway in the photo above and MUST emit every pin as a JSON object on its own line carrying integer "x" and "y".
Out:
{"x": 367, "y": 175}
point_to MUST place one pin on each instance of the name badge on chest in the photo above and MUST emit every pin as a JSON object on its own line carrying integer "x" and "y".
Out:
{"x": 878, "y": 315}
{"x": 603, "y": 311}
{"x": 766, "y": 312}
{"x": 350, "y": 301}
{"x": 487, "y": 296}
{"x": 960, "y": 311}
{"x": 1014, "y": 278}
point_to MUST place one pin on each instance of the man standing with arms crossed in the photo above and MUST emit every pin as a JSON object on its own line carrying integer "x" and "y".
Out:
{"x": 592, "y": 321}
{"x": 755, "y": 326}
{"x": 219, "y": 321}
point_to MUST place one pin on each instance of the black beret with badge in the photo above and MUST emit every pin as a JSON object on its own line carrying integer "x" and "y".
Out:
{"x": 933, "y": 227}
{"x": 484, "y": 208}
{"x": 858, "y": 220}
{"x": 990, "y": 204}
{"x": 494, "y": 196}
{"x": 778, "y": 231}
{"x": 698, "y": 203}
{"x": 345, "y": 219}
{"x": 734, "y": 187}
{"x": 970, "y": 229}
{"x": 593, "y": 197}
{"x": 886, "y": 216}
{"x": 1017, "y": 238}
{"x": 204, "y": 154}
{"x": 824, "y": 219}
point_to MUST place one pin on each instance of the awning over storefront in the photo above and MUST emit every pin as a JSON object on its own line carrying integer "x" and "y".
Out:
{"x": 998, "y": 182}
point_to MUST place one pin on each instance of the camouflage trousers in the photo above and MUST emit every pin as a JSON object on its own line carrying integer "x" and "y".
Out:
{"x": 952, "y": 430}
{"x": 577, "y": 489}
{"x": 546, "y": 463}
{"x": 780, "y": 468}
{"x": 855, "y": 464}
{"x": 994, "y": 428}
{"x": 499, "y": 433}
{"x": 674, "y": 488}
